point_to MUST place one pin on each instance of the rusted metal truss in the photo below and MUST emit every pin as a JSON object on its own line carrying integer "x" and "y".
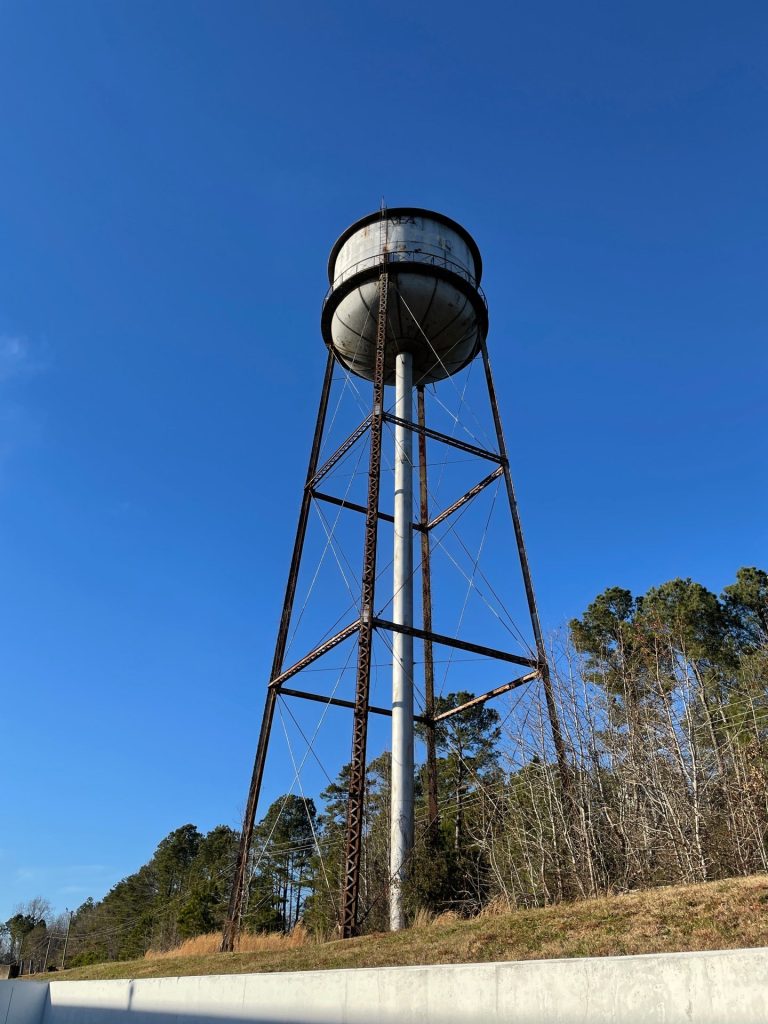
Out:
{"x": 239, "y": 882}
{"x": 367, "y": 623}
{"x": 315, "y": 653}
{"x": 497, "y": 692}
{"x": 356, "y": 801}
{"x": 422, "y": 526}
{"x": 437, "y": 435}
{"x": 340, "y": 452}
{"x": 460, "y": 645}
{"x": 353, "y": 506}
{"x": 337, "y": 702}
{"x": 564, "y": 770}
{"x": 471, "y": 493}
{"x": 433, "y": 826}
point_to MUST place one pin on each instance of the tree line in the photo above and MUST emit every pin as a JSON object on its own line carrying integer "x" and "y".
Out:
{"x": 663, "y": 703}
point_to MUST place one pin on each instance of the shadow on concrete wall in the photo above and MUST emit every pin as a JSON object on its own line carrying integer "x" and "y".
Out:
{"x": 74, "y": 1014}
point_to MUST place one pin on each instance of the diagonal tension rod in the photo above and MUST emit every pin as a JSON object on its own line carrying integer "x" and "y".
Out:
{"x": 497, "y": 692}
{"x": 471, "y": 493}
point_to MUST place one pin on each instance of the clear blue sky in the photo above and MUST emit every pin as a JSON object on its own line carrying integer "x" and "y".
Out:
{"x": 172, "y": 176}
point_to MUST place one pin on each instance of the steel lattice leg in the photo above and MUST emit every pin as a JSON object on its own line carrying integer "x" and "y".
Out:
{"x": 234, "y": 912}
{"x": 356, "y": 803}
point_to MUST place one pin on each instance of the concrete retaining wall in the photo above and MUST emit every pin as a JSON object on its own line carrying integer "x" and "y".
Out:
{"x": 728, "y": 987}
{"x": 22, "y": 1002}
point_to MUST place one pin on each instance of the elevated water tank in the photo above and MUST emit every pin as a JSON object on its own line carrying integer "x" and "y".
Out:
{"x": 435, "y": 307}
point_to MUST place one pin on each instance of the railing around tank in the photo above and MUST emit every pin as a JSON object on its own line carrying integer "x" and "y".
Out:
{"x": 405, "y": 256}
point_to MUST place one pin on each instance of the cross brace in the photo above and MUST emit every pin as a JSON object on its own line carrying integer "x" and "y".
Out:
{"x": 337, "y": 702}
{"x": 343, "y": 503}
{"x": 438, "y": 435}
{"x": 316, "y": 653}
{"x": 497, "y": 692}
{"x": 471, "y": 493}
{"x": 449, "y": 641}
{"x": 340, "y": 452}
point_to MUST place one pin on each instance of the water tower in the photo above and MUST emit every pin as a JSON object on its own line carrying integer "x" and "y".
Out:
{"x": 405, "y": 309}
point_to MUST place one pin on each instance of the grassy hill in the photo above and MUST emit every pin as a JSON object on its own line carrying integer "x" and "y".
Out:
{"x": 716, "y": 915}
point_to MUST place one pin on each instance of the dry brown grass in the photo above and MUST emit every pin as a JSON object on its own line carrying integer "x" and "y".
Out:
{"x": 496, "y": 907}
{"x": 249, "y": 942}
{"x": 423, "y": 918}
{"x": 447, "y": 917}
{"x": 717, "y": 915}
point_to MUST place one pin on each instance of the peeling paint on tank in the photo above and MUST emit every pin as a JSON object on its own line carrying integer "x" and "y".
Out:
{"x": 438, "y": 311}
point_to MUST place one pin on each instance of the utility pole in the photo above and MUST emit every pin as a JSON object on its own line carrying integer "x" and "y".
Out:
{"x": 66, "y": 937}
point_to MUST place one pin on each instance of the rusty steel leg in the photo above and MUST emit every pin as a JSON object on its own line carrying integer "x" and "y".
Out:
{"x": 234, "y": 912}
{"x": 356, "y": 802}
{"x": 426, "y": 604}
{"x": 543, "y": 664}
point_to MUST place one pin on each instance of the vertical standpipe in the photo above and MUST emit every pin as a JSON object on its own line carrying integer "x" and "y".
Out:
{"x": 402, "y": 646}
